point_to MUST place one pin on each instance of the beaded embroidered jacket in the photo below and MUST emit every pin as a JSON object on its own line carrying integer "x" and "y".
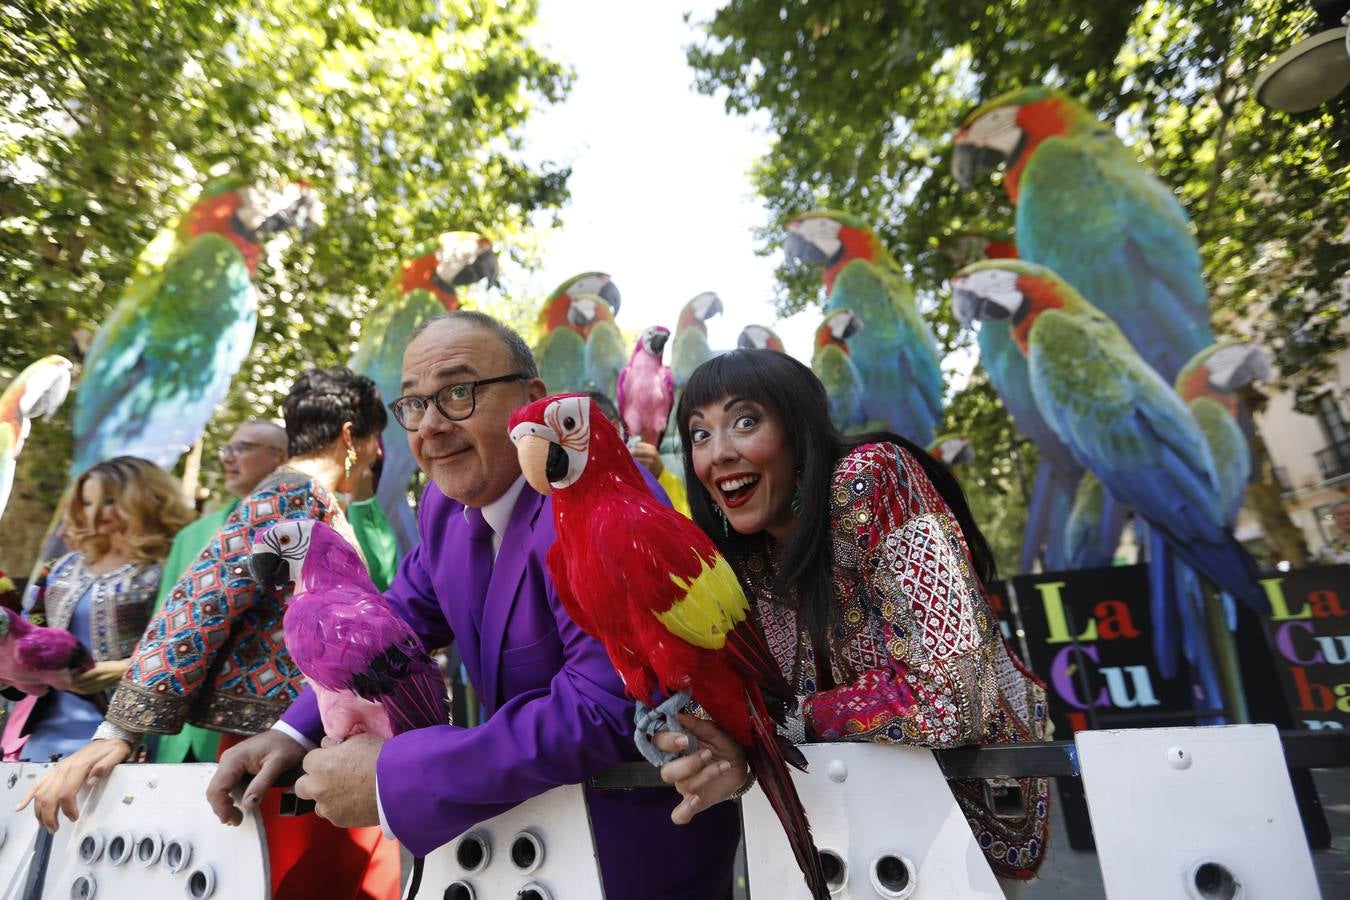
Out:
{"x": 119, "y": 606}
{"x": 916, "y": 653}
{"x": 215, "y": 655}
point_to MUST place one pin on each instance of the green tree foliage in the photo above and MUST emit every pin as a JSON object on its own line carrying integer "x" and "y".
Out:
{"x": 863, "y": 99}
{"x": 404, "y": 114}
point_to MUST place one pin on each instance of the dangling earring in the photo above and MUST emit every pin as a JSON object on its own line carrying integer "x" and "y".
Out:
{"x": 726, "y": 527}
{"x": 348, "y": 463}
{"x": 797, "y": 503}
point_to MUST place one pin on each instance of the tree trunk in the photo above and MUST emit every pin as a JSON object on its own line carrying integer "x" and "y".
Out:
{"x": 1284, "y": 538}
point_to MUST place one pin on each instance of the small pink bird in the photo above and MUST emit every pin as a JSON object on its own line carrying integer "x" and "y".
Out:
{"x": 34, "y": 658}
{"x": 368, "y": 668}
{"x": 647, "y": 388}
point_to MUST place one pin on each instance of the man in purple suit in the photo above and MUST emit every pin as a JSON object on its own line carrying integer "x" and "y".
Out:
{"x": 556, "y": 710}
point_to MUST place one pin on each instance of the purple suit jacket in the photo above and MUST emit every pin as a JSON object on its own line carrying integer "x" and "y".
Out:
{"x": 556, "y": 714}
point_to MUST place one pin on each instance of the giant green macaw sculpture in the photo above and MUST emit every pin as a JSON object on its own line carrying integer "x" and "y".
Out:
{"x": 163, "y": 360}
{"x": 895, "y": 353}
{"x": 427, "y": 283}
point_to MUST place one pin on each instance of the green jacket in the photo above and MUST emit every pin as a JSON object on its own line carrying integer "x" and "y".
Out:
{"x": 377, "y": 543}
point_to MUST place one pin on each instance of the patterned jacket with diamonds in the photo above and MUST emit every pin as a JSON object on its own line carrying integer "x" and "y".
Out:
{"x": 916, "y": 653}
{"x": 214, "y": 655}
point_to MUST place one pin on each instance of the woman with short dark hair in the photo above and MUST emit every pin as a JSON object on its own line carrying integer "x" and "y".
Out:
{"x": 214, "y": 655}
{"x": 867, "y": 574}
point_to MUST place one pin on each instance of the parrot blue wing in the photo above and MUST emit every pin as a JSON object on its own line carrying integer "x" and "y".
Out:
{"x": 1107, "y": 226}
{"x": 895, "y": 352}
{"x": 1129, "y": 427}
{"x": 843, "y": 386}
{"x": 163, "y": 363}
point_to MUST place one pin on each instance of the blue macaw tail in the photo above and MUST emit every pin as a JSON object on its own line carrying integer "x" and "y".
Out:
{"x": 1047, "y": 519}
{"x": 1227, "y": 566}
{"x": 1195, "y": 642}
{"x": 1177, "y": 605}
{"x": 1163, "y": 602}
{"x": 1112, "y": 526}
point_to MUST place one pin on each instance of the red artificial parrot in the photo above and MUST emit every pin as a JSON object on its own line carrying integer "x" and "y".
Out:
{"x": 651, "y": 586}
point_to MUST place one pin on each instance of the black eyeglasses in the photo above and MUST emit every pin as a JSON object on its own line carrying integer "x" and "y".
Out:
{"x": 239, "y": 448}
{"x": 456, "y": 402}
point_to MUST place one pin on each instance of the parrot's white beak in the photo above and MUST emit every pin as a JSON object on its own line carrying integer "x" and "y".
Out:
{"x": 535, "y": 444}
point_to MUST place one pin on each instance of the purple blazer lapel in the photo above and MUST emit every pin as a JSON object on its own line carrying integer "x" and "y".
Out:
{"x": 507, "y": 573}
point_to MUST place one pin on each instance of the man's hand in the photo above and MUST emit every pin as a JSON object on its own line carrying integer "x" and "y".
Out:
{"x": 707, "y": 777}
{"x": 649, "y": 456}
{"x": 102, "y": 676}
{"x": 266, "y": 757}
{"x": 340, "y": 779}
{"x": 56, "y": 790}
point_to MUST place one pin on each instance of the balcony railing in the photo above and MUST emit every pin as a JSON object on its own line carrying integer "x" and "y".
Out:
{"x": 1334, "y": 461}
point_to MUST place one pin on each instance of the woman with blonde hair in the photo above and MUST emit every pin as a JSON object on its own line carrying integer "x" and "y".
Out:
{"x": 121, "y": 517}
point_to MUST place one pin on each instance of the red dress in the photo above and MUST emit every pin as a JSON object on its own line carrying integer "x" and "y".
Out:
{"x": 310, "y": 858}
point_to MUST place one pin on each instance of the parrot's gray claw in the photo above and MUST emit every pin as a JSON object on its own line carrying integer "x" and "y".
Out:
{"x": 651, "y": 720}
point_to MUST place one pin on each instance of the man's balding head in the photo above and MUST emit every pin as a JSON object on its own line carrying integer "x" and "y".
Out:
{"x": 471, "y": 460}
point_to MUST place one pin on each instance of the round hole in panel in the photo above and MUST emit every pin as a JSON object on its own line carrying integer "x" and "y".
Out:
{"x": 120, "y": 848}
{"x": 459, "y": 890}
{"x": 201, "y": 883}
{"x": 473, "y": 852}
{"x": 177, "y": 854}
{"x": 148, "y": 849}
{"x": 835, "y": 868}
{"x": 527, "y": 851}
{"x": 1212, "y": 880}
{"x": 91, "y": 847}
{"x": 893, "y": 876}
{"x": 83, "y": 888}
{"x": 534, "y": 891}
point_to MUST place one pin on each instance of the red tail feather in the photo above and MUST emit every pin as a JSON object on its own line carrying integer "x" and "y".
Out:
{"x": 770, "y": 767}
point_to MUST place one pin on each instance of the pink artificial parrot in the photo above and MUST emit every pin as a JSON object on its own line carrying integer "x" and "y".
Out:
{"x": 367, "y": 666}
{"x": 34, "y": 658}
{"x": 646, "y": 387}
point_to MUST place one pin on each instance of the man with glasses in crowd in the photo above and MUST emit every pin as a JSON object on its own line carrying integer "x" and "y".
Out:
{"x": 556, "y": 709}
{"x": 255, "y": 448}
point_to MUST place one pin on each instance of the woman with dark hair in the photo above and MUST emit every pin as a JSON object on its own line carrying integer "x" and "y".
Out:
{"x": 121, "y": 517}
{"x": 214, "y": 656}
{"x": 867, "y": 574}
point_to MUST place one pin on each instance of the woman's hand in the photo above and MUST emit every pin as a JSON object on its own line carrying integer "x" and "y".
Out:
{"x": 705, "y": 778}
{"x": 101, "y": 677}
{"x": 649, "y": 456}
{"x": 56, "y": 790}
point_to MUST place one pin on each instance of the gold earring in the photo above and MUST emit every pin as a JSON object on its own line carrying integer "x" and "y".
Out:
{"x": 348, "y": 463}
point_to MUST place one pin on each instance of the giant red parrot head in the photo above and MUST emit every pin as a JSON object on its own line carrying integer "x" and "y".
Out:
{"x": 759, "y": 337}
{"x": 1010, "y": 290}
{"x": 453, "y": 260}
{"x": 565, "y": 440}
{"x": 829, "y": 238}
{"x": 837, "y": 328}
{"x": 1220, "y": 370}
{"x": 699, "y": 310}
{"x": 1009, "y": 128}
{"x": 246, "y": 215}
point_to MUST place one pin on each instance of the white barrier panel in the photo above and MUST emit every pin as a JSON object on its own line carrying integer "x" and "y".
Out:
{"x": 1195, "y": 813}
{"x": 147, "y": 832}
{"x": 18, "y": 830}
{"x": 886, "y": 817}
{"x": 540, "y": 850}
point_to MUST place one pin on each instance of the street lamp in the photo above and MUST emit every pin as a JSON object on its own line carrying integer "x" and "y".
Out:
{"x": 1315, "y": 69}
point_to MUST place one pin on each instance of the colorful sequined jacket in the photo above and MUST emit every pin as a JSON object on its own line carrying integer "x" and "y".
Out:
{"x": 119, "y": 606}
{"x": 917, "y": 656}
{"x": 214, "y": 655}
